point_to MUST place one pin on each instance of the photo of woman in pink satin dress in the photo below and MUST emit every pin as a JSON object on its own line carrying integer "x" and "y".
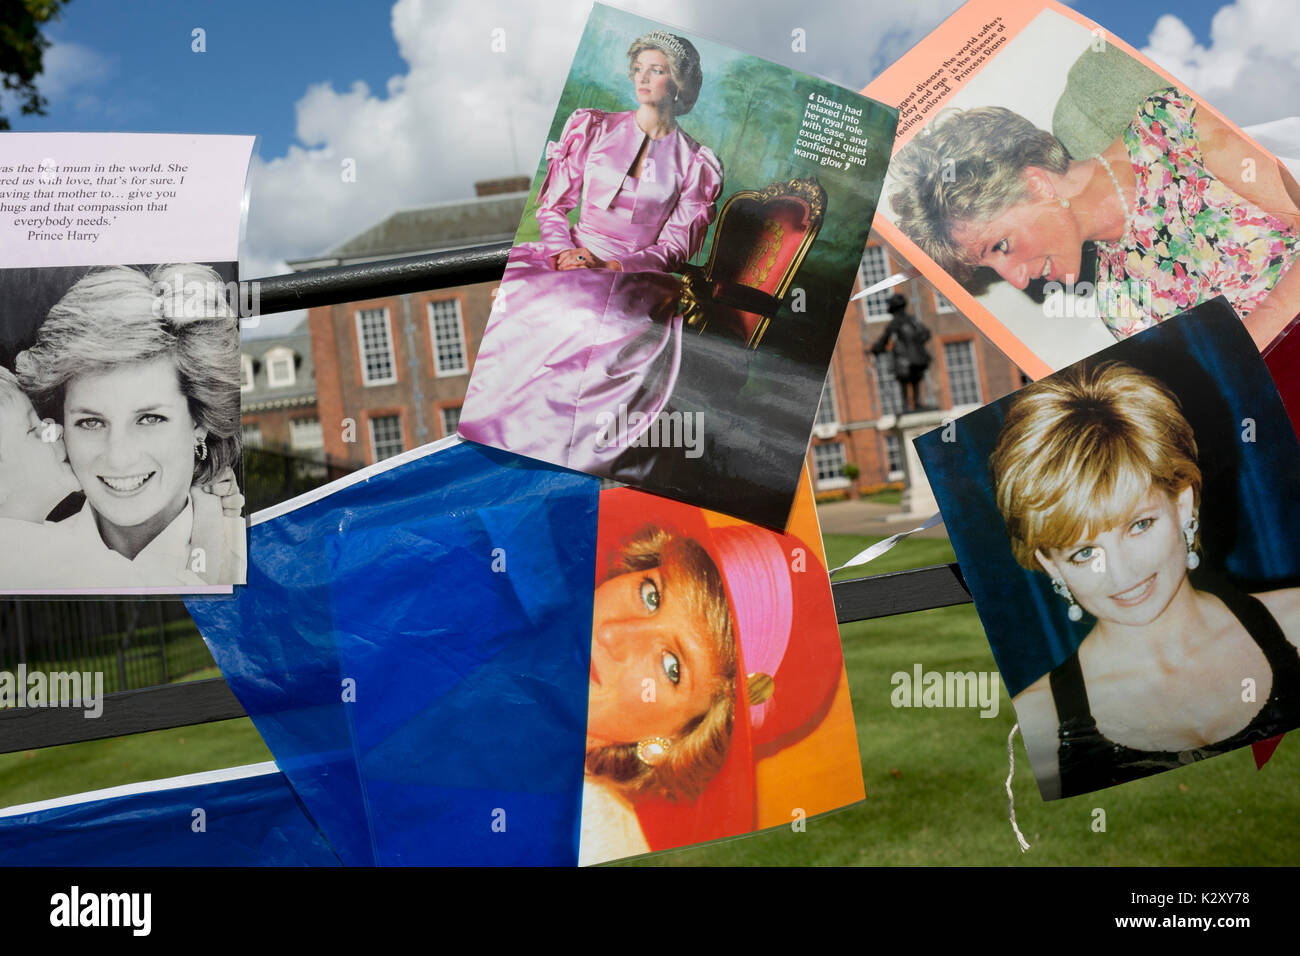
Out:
{"x": 583, "y": 347}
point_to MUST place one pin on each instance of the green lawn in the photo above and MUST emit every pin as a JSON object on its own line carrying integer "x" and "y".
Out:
{"x": 32, "y": 775}
{"x": 934, "y": 778}
{"x": 908, "y": 553}
{"x": 885, "y": 496}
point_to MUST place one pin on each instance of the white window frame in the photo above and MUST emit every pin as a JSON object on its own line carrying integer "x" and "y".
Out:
{"x": 295, "y": 428}
{"x": 837, "y": 480}
{"x": 442, "y": 419}
{"x": 279, "y": 354}
{"x": 887, "y": 381}
{"x": 942, "y": 304}
{"x": 246, "y": 383}
{"x": 374, "y": 445}
{"x": 827, "y": 411}
{"x": 434, "y": 339}
{"x": 388, "y": 341}
{"x": 244, "y": 436}
{"x": 874, "y": 306}
{"x": 892, "y": 441}
{"x": 972, "y": 368}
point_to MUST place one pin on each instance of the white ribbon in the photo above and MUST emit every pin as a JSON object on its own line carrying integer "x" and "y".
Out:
{"x": 880, "y": 547}
{"x": 1011, "y": 799}
{"x": 898, "y": 278}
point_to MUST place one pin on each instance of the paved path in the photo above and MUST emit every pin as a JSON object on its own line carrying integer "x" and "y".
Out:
{"x": 869, "y": 517}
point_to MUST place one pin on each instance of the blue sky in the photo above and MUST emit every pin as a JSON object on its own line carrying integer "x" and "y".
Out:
{"x": 261, "y": 57}
{"x": 410, "y": 91}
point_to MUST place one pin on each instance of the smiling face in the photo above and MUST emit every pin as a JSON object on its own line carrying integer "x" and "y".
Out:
{"x": 652, "y": 663}
{"x": 1034, "y": 239}
{"x": 1129, "y": 574}
{"x": 652, "y": 79}
{"x": 130, "y": 439}
{"x": 34, "y": 472}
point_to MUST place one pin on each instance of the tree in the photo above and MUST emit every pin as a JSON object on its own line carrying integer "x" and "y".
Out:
{"x": 753, "y": 89}
{"x": 22, "y": 50}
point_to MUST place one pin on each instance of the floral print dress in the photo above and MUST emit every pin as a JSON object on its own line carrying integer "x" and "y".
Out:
{"x": 1192, "y": 237}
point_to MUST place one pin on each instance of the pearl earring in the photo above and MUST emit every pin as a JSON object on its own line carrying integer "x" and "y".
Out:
{"x": 1189, "y": 535}
{"x": 652, "y": 750}
{"x": 1074, "y": 612}
{"x": 1065, "y": 203}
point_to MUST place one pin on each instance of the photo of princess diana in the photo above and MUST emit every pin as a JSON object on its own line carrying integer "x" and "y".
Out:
{"x": 715, "y": 659}
{"x": 1080, "y": 197}
{"x": 120, "y": 429}
{"x": 679, "y": 278}
{"x": 1123, "y": 527}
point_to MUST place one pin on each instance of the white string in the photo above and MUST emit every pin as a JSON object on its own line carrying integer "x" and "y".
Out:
{"x": 1011, "y": 799}
{"x": 880, "y": 547}
{"x": 898, "y": 278}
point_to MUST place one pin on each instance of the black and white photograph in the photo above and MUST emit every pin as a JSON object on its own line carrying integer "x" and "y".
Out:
{"x": 120, "y": 438}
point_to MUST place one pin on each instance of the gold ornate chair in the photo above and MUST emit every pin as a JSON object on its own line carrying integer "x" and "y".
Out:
{"x": 759, "y": 243}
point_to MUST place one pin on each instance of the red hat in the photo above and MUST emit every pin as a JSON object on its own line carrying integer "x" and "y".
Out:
{"x": 779, "y": 598}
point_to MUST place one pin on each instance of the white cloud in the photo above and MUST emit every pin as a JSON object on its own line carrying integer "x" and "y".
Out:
{"x": 70, "y": 69}
{"x": 1250, "y": 70}
{"x": 448, "y": 120}
{"x": 74, "y": 77}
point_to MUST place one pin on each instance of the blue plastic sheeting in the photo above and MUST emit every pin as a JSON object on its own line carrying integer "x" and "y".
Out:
{"x": 250, "y": 821}
{"x": 449, "y": 600}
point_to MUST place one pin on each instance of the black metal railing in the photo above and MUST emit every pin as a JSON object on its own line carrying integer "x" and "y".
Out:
{"x": 142, "y": 708}
{"x": 132, "y": 644}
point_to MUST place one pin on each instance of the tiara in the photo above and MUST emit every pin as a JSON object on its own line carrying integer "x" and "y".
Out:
{"x": 668, "y": 41}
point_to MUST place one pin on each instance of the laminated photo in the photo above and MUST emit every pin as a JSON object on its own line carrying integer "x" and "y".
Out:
{"x": 717, "y": 702}
{"x": 678, "y": 281}
{"x": 120, "y": 437}
{"x": 1065, "y": 193}
{"x": 1126, "y": 529}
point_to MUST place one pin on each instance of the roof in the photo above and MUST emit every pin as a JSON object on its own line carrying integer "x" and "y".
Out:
{"x": 446, "y": 225}
{"x": 303, "y": 389}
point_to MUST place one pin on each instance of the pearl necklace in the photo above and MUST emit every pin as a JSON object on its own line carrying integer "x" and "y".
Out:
{"x": 1128, "y": 216}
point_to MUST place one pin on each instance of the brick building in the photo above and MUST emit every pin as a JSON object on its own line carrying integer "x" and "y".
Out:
{"x": 277, "y": 385}
{"x": 391, "y": 373}
{"x": 862, "y": 397}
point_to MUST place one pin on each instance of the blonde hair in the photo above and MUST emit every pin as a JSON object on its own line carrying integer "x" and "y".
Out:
{"x": 699, "y": 750}
{"x": 966, "y": 166}
{"x": 1078, "y": 449}
{"x": 683, "y": 65}
{"x": 118, "y": 316}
